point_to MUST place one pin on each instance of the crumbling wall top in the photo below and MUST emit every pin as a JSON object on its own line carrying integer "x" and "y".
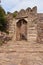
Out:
{"x": 24, "y": 13}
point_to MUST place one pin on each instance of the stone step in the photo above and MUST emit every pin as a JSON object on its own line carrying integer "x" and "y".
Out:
{"x": 22, "y": 47}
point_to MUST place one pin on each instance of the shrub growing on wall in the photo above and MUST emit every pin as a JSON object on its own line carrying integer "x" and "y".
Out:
{"x": 15, "y": 14}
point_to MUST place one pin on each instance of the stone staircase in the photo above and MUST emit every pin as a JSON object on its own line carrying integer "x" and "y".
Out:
{"x": 21, "y": 53}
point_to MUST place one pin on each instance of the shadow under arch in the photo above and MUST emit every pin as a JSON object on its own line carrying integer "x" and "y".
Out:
{"x": 21, "y": 31}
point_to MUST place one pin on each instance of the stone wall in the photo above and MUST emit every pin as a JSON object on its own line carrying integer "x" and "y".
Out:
{"x": 40, "y": 28}
{"x": 33, "y": 23}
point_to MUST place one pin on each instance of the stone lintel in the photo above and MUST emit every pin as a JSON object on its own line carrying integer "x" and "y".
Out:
{"x": 21, "y": 17}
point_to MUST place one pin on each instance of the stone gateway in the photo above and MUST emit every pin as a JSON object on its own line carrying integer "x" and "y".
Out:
{"x": 27, "y": 25}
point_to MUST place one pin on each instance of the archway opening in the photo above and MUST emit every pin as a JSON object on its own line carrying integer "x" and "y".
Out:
{"x": 21, "y": 33}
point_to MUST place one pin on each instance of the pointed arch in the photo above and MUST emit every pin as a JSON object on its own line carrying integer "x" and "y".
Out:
{"x": 21, "y": 33}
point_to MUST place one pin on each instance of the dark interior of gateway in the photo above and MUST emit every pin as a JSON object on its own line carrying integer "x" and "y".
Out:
{"x": 21, "y": 30}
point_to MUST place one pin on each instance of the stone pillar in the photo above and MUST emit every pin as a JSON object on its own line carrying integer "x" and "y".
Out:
{"x": 11, "y": 28}
{"x": 32, "y": 31}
